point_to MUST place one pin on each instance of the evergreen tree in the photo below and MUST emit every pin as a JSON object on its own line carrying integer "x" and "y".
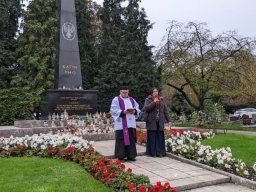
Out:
{"x": 109, "y": 56}
{"x": 141, "y": 69}
{"x": 124, "y": 52}
{"x": 10, "y": 11}
{"x": 37, "y": 49}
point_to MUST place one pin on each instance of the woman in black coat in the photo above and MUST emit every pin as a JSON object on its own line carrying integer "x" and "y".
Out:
{"x": 156, "y": 116}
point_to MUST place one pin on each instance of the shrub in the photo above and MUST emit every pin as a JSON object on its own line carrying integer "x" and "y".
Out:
{"x": 14, "y": 105}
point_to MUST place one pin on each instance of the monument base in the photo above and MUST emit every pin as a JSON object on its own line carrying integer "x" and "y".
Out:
{"x": 75, "y": 102}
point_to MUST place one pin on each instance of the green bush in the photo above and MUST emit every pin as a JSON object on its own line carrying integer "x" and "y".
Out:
{"x": 214, "y": 114}
{"x": 14, "y": 105}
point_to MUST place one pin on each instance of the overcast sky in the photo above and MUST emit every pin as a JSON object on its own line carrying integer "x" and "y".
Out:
{"x": 220, "y": 15}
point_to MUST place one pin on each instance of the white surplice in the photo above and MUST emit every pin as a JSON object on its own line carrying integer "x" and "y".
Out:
{"x": 116, "y": 111}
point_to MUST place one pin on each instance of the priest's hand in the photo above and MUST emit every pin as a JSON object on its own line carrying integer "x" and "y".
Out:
{"x": 133, "y": 111}
{"x": 125, "y": 112}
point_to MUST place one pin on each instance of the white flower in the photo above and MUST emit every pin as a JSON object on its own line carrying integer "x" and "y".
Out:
{"x": 200, "y": 152}
{"x": 254, "y": 167}
{"x": 43, "y": 147}
{"x": 220, "y": 161}
{"x": 184, "y": 150}
{"x": 246, "y": 172}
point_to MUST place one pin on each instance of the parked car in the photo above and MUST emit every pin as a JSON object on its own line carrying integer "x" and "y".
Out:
{"x": 245, "y": 111}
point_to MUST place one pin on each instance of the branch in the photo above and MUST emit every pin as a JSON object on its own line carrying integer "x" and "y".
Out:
{"x": 184, "y": 95}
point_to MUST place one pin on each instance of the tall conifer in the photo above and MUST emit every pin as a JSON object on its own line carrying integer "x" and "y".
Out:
{"x": 37, "y": 49}
{"x": 124, "y": 52}
{"x": 10, "y": 12}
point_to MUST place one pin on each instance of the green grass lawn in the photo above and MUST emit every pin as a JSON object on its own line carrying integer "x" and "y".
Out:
{"x": 242, "y": 146}
{"x": 45, "y": 175}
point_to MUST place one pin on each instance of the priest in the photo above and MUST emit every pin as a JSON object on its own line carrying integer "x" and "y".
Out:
{"x": 125, "y": 110}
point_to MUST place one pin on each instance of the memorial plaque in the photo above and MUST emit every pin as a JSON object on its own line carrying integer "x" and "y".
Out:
{"x": 74, "y": 102}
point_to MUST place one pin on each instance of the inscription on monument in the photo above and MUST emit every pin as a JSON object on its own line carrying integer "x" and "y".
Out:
{"x": 75, "y": 102}
{"x": 70, "y": 69}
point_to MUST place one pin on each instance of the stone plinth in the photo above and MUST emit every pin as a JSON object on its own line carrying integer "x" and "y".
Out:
{"x": 75, "y": 102}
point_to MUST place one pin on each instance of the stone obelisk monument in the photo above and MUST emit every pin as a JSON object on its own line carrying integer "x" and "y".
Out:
{"x": 69, "y": 60}
{"x": 68, "y": 93}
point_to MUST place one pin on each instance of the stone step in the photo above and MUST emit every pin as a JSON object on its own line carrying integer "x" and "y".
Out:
{"x": 222, "y": 188}
{"x": 180, "y": 175}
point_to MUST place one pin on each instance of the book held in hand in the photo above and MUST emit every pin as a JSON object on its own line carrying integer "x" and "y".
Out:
{"x": 130, "y": 110}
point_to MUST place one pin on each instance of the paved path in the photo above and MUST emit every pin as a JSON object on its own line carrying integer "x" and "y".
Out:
{"x": 226, "y": 187}
{"x": 182, "y": 176}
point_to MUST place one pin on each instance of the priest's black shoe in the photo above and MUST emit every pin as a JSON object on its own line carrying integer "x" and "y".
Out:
{"x": 131, "y": 159}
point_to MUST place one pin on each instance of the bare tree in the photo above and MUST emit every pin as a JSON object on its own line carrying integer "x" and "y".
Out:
{"x": 199, "y": 65}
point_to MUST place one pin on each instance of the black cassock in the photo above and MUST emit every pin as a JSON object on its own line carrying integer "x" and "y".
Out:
{"x": 122, "y": 151}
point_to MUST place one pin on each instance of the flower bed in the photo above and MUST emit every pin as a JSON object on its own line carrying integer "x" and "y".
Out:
{"x": 69, "y": 147}
{"x": 188, "y": 145}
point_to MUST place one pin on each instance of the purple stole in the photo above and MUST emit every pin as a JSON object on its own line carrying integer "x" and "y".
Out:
{"x": 124, "y": 121}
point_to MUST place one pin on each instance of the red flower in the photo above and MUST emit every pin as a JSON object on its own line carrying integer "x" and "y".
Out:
{"x": 70, "y": 149}
{"x": 166, "y": 185}
{"x": 129, "y": 170}
{"x": 57, "y": 148}
{"x": 113, "y": 175}
{"x": 104, "y": 159}
{"x": 91, "y": 148}
{"x": 60, "y": 153}
{"x": 118, "y": 162}
{"x": 107, "y": 180}
{"x": 132, "y": 187}
{"x": 105, "y": 174}
{"x": 142, "y": 189}
{"x": 50, "y": 152}
{"x": 122, "y": 166}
